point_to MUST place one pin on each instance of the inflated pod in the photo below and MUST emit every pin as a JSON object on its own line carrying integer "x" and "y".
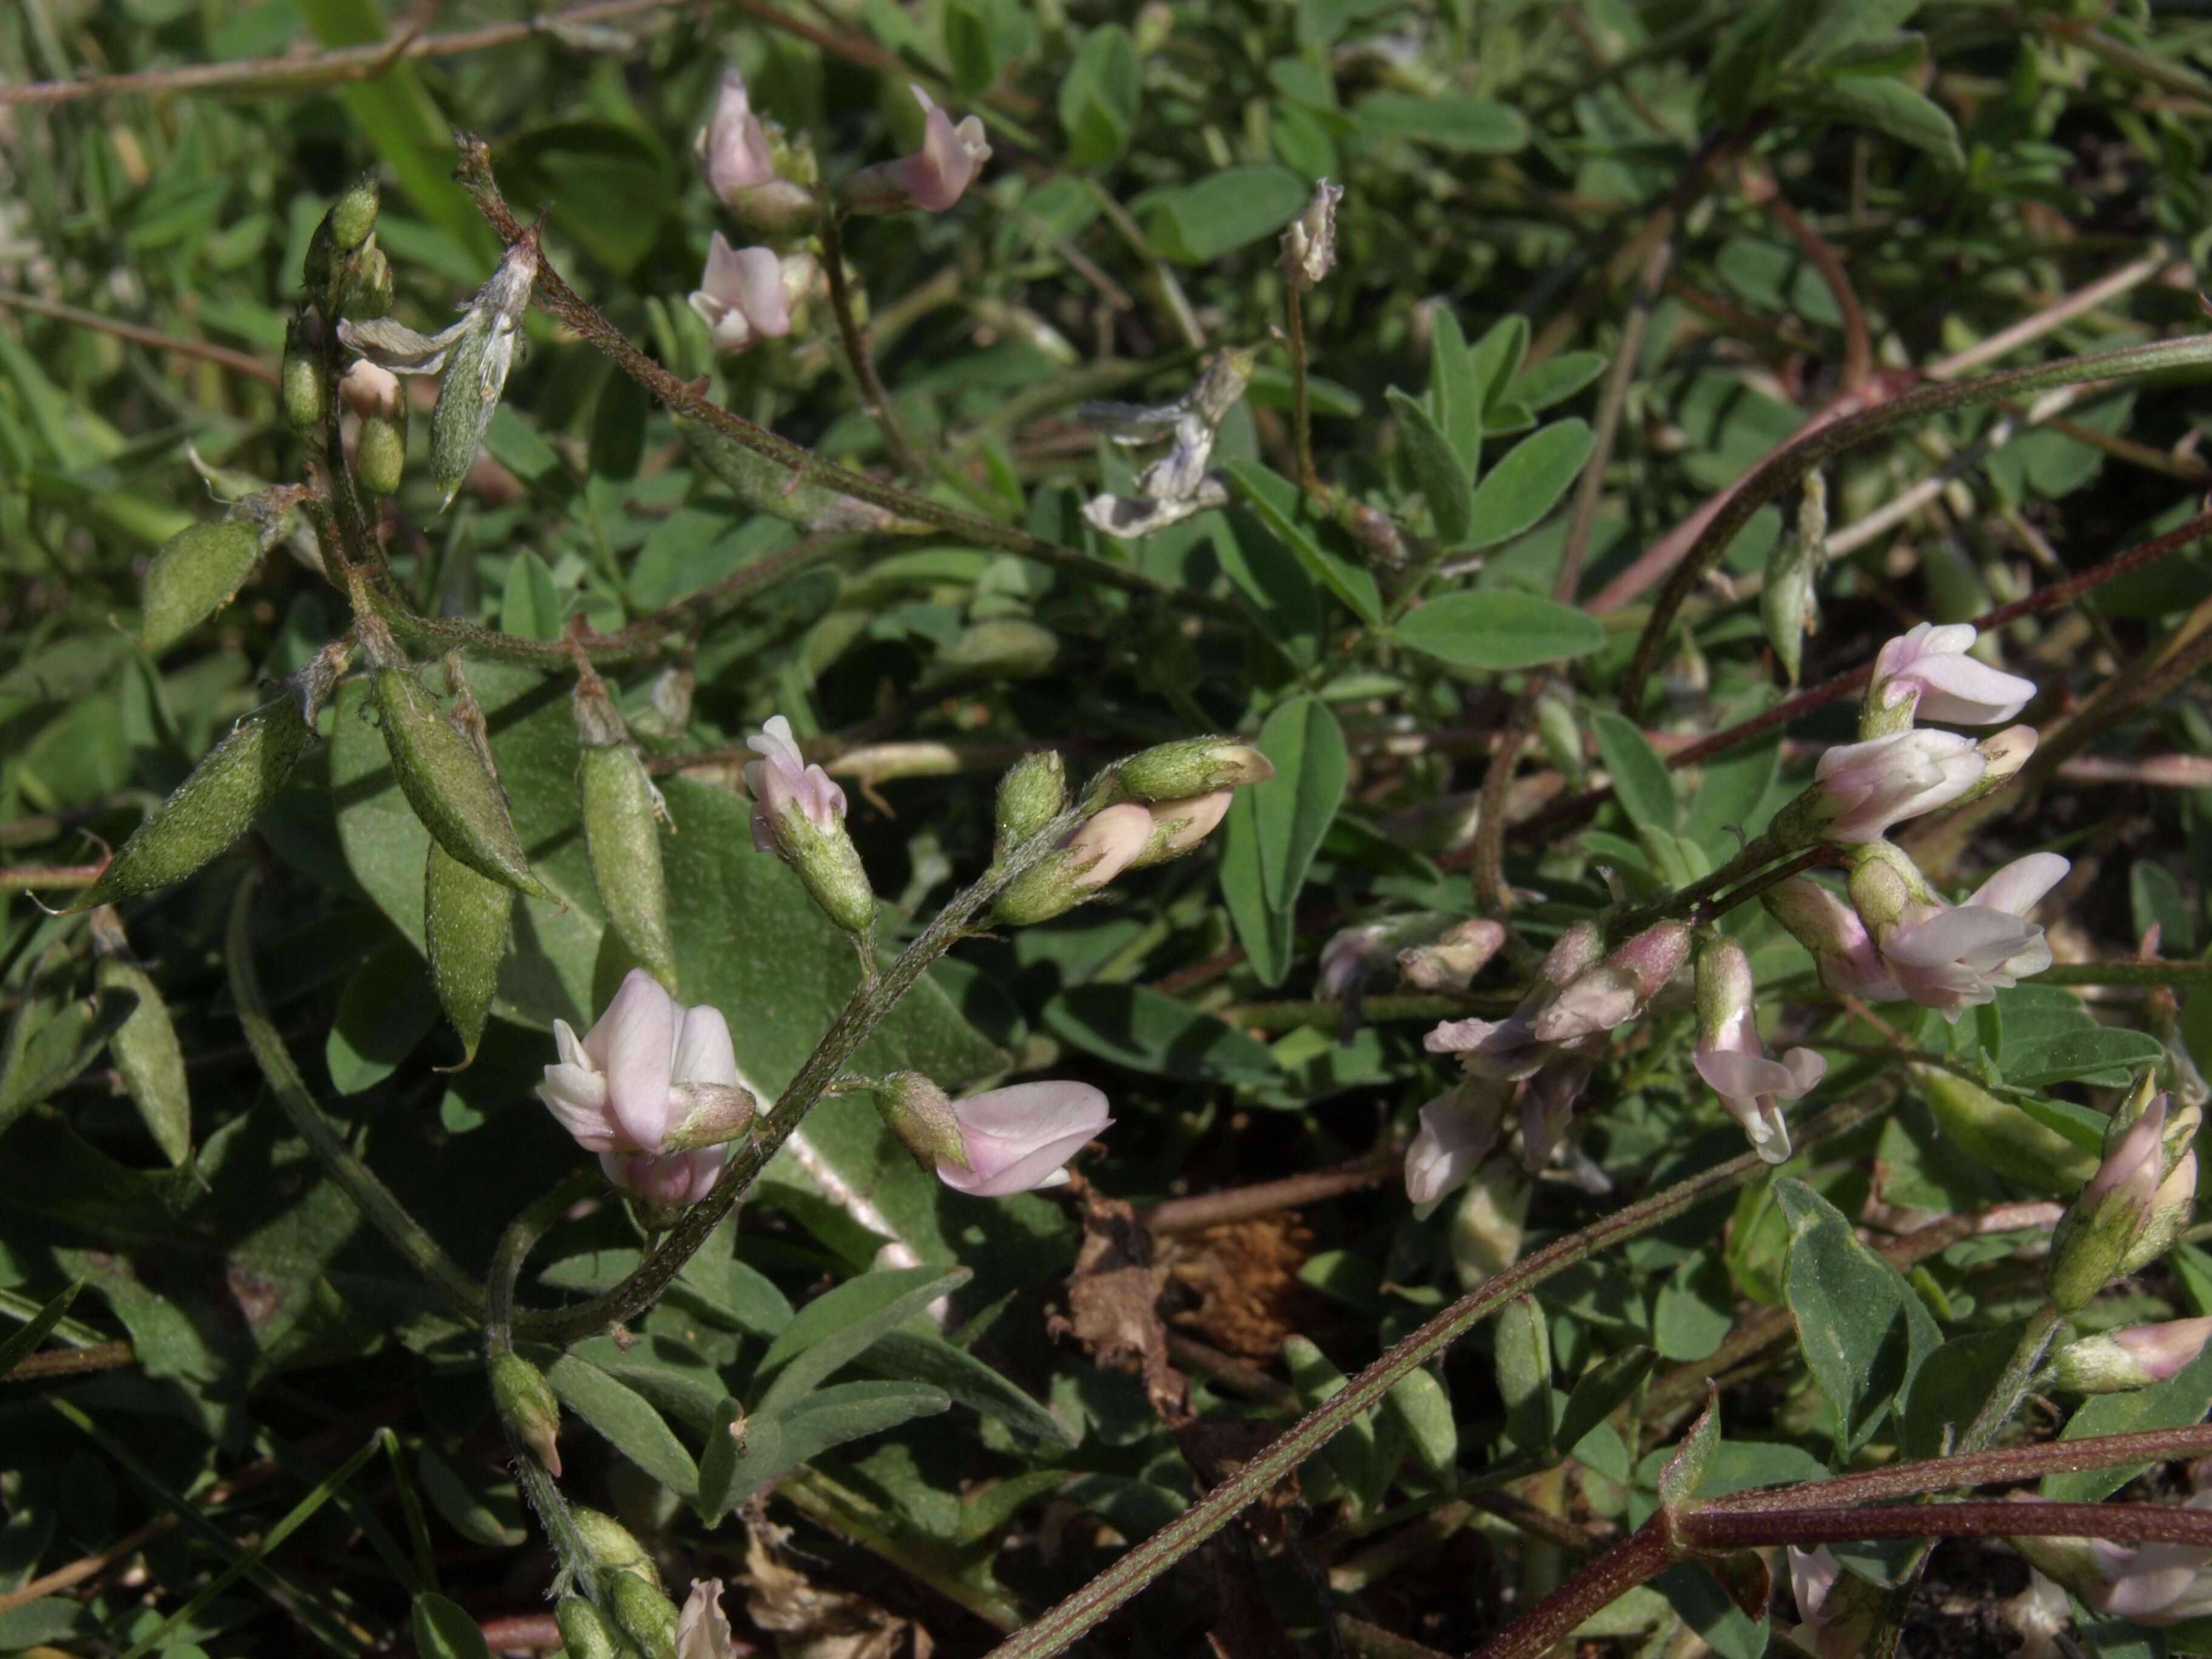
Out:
{"x": 194, "y": 574}
{"x": 622, "y": 834}
{"x": 467, "y": 918}
{"x": 452, "y": 791}
{"x": 144, "y": 1047}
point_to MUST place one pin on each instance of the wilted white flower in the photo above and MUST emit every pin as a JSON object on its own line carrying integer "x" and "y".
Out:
{"x": 703, "y": 1630}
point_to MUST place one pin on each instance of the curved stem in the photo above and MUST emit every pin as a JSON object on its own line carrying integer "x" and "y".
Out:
{"x": 515, "y": 1244}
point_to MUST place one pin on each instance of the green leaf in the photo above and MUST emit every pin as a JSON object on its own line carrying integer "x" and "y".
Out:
{"x": 1555, "y": 378}
{"x": 1423, "y": 1408}
{"x": 1726, "y": 798}
{"x": 1864, "y": 1333}
{"x": 671, "y": 1377}
{"x": 1497, "y": 629}
{"x": 1709, "y": 1611}
{"x": 608, "y": 186}
{"x": 1601, "y": 1391}
{"x": 1528, "y": 482}
{"x": 629, "y": 1423}
{"x": 1437, "y": 468}
{"x": 2181, "y": 1399}
{"x": 1456, "y": 396}
{"x": 1276, "y": 502}
{"x": 846, "y": 1411}
{"x": 1264, "y": 931}
{"x": 1098, "y": 97}
{"x": 487, "y": 1511}
{"x": 1893, "y": 107}
{"x": 2156, "y": 900}
{"x": 2101, "y": 1055}
{"x": 1294, "y": 808}
{"x": 841, "y": 1323}
{"x": 913, "y": 1357}
{"x": 1641, "y": 782}
{"x": 1843, "y": 24}
{"x": 387, "y": 1007}
{"x": 1477, "y": 126}
{"x": 743, "y": 1455}
{"x": 1953, "y": 1388}
{"x": 1495, "y": 359}
{"x": 971, "y": 47}
{"x": 1194, "y": 224}
{"x": 1147, "y": 1031}
{"x": 531, "y": 608}
{"x": 20, "y": 1345}
{"x": 1695, "y": 1308}
{"x": 444, "y": 1630}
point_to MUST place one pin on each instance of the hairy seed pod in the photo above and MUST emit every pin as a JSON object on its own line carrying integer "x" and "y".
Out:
{"x": 144, "y": 1047}
{"x": 381, "y": 454}
{"x": 584, "y": 1634}
{"x": 458, "y": 801}
{"x": 644, "y": 1615}
{"x": 367, "y": 291}
{"x": 466, "y": 917}
{"x": 1032, "y": 793}
{"x": 300, "y": 388}
{"x": 213, "y": 807}
{"x": 611, "y": 1545}
{"x": 353, "y": 215}
{"x": 528, "y": 1406}
{"x": 195, "y": 573}
{"x": 622, "y": 837}
{"x": 319, "y": 269}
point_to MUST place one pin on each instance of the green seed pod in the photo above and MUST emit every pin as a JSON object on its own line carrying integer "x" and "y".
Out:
{"x": 2000, "y": 1136}
{"x": 528, "y": 1406}
{"x": 622, "y": 837}
{"x": 768, "y": 486}
{"x": 301, "y": 387}
{"x": 353, "y": 215}
{"x": 144, "y": 1047}
{"x": 196, "y": 573}
{"x": 584, "y": 1634}
{"x": 1033, "y": 792}
{"x": 458, "y": 801}
{"x": 644, "y": 1615}
{"x": 381, "y": 454}
{"x": 612, "y": 1546}
{"x": 213, "y": 807}
{"x": 465, "y": 920}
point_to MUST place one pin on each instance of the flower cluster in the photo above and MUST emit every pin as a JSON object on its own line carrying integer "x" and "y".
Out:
{"x": 767, "y": 180}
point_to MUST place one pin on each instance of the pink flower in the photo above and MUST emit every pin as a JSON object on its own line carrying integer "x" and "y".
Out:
{"x": 1457, "y": 1133}
{"x": 734, "y": 149}
{"x": 744, "y": 296}
{"x": 369, "y": 389}
{"x": 782, "y": 781}
{"x": 634, "y": 1080}
{"x": 1841, "y": 947}
{"x": 1862, "y": 789}
{"x": 934, "y": 177}
{"x": 1017, "y": 1140}
{"x": 1930, "y": 663}
{"x": 1107, "y": 842}
{"x": 1502, "y": 1051}
{"x": 2130, "y": 1173}
{"x": 2149, "y": 1583}
{"x": 1187, "y": 822}
{"x": 1958, "y": 956}
{"x": 1734, "y": 1062}
{"x": 1547, "y": 1105}
{"x": 1599, "y": 999}
{"x": 2162, "y": 1350}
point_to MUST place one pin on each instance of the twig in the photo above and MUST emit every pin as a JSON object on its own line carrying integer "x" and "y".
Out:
{"x": 1184, "y": 1215}
{"x": 874, "y": 400}
{"x": 237, "y": 362}
{"x": 72, "y": 1362}
{"x": 24, "y": 877}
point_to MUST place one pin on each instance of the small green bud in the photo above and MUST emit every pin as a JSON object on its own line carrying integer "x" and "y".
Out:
{"x": 1033, "y": 792}
{"x": 528, "y": 1406}
{"x": 612, "y": 1548}
{"x": 380, "y": 457}
{"x": 1196, "y": 765}
{"x": 368, "y": 287}
{"x": 467, "y": 918}
{"x": 194, "y": 574}
{"x": 299, "y": 385}
{"x": 447, "y": 784}
{"x": 584, "y": 1634}
{"x": 353, "y": 215}
{"x": 1099, "y": 850}
{"x": 799, "y": 814}
{"x": 1002, "y": 648}
{"x": 644, "y": 1615}
{"x": 144, "y": 1047}
{"x": 919, "y": 1113}
{"x": 622, "y": 834}
{"x": 210, "y": 809}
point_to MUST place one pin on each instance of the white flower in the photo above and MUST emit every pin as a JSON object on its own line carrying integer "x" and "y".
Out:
{"x": 1930, "y": 663}
{"x": 745, "y": 294}
{"x": 370, "y": 389}
{"x": 1457, "y": 1133}
{"x": 781, "y": 780}
{"x": 1017, "y": 1140}
{"x": 1865, "y": 787}
{"x": 1959, "y": 957}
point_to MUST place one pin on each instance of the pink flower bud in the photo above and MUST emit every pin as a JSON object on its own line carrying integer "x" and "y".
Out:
{"x": 1098, "y": 849}
{"x": 1928, "y": 667}
{"x": 744, "y": 296}
{"x": 1861, "y": 789}
{"x": 2163, "y": 1349}
{"x": 2115, "y": 1205}
{"x": 671, "y": 1179}
{"x": 781, "y": 781}
{"x": 1179, "y": 826}
{"x": 1457, "y": 1133}
{"x": 1599, "y": 998}
{"x": 1733, "y": 1061}
{"x": 1842, "y": 949}
{"x": 1017, "y": 1140}
{"x": 1504, "y": 1051}
{"x": 734, "y": 149}
{"x": 370, "y": 390}
{"x": 934, "y": 177}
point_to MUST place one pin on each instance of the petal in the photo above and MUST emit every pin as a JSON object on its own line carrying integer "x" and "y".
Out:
{"x": 570, "y": 1049}
{"x": 1742, "y": 1074}
{"x": 1806, "y": 1070}
{"x": 823, "y": 800}
{"x": 1957, "y": 935}
{"x": 639, "y": 1027}
{"x": 1965, "y": 692}
{"x": 577, "y": 1097}
{"x": 704, "y": 1053}
{"x": 1457, "y": 1035}
{"x": 2021, "y": 885}
{"x": 774, "y": 741}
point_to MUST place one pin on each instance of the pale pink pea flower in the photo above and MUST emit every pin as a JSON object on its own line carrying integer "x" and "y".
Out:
{"x": 1865, "y": 787}
{"x": 1930, "y": 663}
{"x": 734, "y": 149}
{"x": 1958, "y": 956}
{"x": 1019, "y": 1139}
{"x": 781, "y": 780}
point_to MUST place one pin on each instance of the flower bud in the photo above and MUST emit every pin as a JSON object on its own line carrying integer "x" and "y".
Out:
{"x": 799, "y": 815}
{"x": 611, "y": 1548}
{"x": 621, "y": 812}
{"x": 529, "y": 1408}
{"x": 458, "y": 800}
{"x": 1451, "y": 961}
{"x": 466, "y": 920}
{"x": 353, "y": 215}
{"x": 2173, "y": 1207}
{"x": 1195, "y": 766}
{"x": 2117, "y": 1361}
{"x": 1031, "y": 795}
{"x": 1884, "y": 886}
{"x": 643, "y": 1614}
{"x": 1180, "y": 826}
{"x": 380, "y": 455}
{"x": 733, "y": 149}
{"x": 210, "y": 809}
{"x": 1599, "y": 998}
{"x": 1096, "y": 852}
{"x": 584, "y": 1634}
{"x": 1309, "y": 247}
{"x": 144, "y": 1047}
{"x": 195, "y": 573}
{"x": 1581, "y": 946}
{"x": 919, "y": 1115}
{"x": 2002, "y": 756}
{"x": 300, "y": 388}
{"x": 1789, "y": 595}
{"x": 475, "y": 368}
{"x": 365, "y": 289}
{"x": 747, "y": 294}
{"x": 2096, "y": 1234}
{"x": 1927, "y": 672}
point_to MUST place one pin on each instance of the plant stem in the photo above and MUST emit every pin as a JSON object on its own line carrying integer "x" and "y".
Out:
{"x": 515, "y": 1244}
{"x": 875, "y": 402}
{"x": 1301, "y": 403}
{"x": 1064, "y": 1624}
{"x": 1645, "y": 1553}
{"x": 375, "y": 1200}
